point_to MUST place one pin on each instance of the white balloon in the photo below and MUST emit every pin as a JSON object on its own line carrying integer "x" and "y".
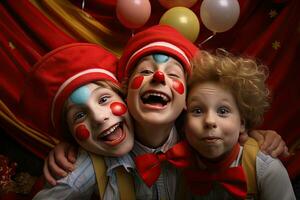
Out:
{"x": 219, "y": 15}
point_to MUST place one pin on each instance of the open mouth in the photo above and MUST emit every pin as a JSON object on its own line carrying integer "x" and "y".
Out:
{"x": 113, "y": 135}
{"x": 155, "y": 98}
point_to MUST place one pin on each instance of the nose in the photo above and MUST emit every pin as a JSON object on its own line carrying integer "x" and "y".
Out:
{"x": 158, "y": 77}
{"x": 210, "y": 121}
{"x": 99, "y": 116}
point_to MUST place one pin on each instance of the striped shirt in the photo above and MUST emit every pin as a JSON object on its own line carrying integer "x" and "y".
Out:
{"x": 81, "y": 183}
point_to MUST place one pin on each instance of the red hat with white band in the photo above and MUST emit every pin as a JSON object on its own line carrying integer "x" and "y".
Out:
{"x": 52, "y": 80}
{"x": 156, "y": 39}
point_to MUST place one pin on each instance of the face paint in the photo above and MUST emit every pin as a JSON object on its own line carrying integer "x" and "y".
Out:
{"x": 82, "y": 133}
{"x": 159, "y": 76}
{"x": 178, "y": 86}
{"x": 118, "y": 108}
{"x": 80, "y": 95}
{"x": 137, "y": 82}
{"x": 160, "y": 58}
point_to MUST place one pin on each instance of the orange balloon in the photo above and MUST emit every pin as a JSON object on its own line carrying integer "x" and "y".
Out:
{"x": 133, "y": 13}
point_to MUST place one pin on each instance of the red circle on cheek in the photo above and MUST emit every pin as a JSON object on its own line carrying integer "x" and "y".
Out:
{"x": 178, "y": 86}
{"x": 137, "y": 82}
{"x": 118, "y": 108}
{"x": 82, "y": 133}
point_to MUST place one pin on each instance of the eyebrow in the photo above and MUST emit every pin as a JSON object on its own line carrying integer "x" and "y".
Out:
{"x": 145, "y": 58}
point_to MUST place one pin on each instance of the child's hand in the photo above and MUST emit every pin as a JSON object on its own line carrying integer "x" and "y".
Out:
{"x": 243, "y": 138}
{"x": 59, "y": 162}
{"x": 270, "y": 142}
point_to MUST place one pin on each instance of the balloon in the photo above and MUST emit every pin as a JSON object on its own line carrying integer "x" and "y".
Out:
{"x": 133, "y": 13}
{"x": 173, "y": 3}
{"x": 219, "y": 15}
{"x": 184, "y": 20}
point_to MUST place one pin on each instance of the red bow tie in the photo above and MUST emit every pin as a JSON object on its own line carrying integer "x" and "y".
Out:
{"x": 148, "y": 165}
{"x": 232, "y": 179}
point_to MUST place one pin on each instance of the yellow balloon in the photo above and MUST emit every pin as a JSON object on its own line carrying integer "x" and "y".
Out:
{"x": 184, "y": 20}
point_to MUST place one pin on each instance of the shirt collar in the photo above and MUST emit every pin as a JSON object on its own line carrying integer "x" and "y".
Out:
{"x": 114, "y": 162}
{"x": 173, "y": 138}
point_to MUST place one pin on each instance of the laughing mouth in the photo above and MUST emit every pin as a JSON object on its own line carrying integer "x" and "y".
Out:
{"x": 113, "y": 133}
{"x": 155, "y": 98}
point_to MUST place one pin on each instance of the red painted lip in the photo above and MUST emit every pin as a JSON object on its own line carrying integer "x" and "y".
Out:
{"x": 117, "y": 140}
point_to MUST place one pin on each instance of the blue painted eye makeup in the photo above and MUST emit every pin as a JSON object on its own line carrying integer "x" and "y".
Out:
{"x": 80, "y": 95}
{"x": 160, "y": 58}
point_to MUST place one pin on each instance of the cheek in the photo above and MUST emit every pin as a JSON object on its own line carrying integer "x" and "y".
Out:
{"x": 118, "y": 108}
{"x": 82, "y": 133}
{"x": 178, "y": 86}
{"x": 136, "y": 82}
{"x": 193, "y": 128}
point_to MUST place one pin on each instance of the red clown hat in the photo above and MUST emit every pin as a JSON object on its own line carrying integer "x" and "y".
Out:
{"x": 56, "y": 76}
{"x": 156, "y": 39}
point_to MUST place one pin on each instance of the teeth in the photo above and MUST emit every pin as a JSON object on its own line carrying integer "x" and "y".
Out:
{"x": 109, "y": 131}
{"x": 164, "y": 97}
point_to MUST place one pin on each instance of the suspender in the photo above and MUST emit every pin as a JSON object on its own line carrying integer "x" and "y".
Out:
{"x": 100, "y": 171}
{"x": 249, "y": 164}
{"x": 125, "y": 184}
{"x": 124, "y": 179}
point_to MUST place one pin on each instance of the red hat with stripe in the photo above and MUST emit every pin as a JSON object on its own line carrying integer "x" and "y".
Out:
{"x": 156, "y": 39}
{"x": 52, "y": 80}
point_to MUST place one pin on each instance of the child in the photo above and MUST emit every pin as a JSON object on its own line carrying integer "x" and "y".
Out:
{"x": 73, "y": 91}
{"x": 154, "y": 67}
{"x": 228, "y": 96}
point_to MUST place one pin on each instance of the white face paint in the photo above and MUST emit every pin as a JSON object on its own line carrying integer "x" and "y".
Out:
{"x": 99, "y": 121}
{"x": 213, "y": 121}
{"x": 157, "y": 91}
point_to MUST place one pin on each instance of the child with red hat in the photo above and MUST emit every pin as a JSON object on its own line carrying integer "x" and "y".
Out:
{"x": 72, "y": 91}
{"x": 154, "y": 67}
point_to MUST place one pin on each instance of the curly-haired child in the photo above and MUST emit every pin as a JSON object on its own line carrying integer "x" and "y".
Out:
{"x": 228, "y": 96}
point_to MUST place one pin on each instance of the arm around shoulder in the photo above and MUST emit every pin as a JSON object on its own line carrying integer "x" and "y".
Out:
{"x": 78, "y": 184}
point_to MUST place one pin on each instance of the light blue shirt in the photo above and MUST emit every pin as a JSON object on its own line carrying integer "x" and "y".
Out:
{"x": 165, "y": 186}
{"x": 81, "y": 183}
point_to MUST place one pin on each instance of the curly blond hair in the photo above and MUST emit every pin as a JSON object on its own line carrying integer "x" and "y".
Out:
{"x": 243, "y": 77}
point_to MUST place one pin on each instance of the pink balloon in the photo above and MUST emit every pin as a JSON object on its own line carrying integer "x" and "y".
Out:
{"x": 133, "y": 13}
{"x": 174, "y": 3}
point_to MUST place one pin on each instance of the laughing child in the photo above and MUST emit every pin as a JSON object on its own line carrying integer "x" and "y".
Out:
{"x": 72, "y": 92}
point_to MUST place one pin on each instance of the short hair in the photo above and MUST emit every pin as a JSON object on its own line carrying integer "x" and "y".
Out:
{"x": 243, "y": 77}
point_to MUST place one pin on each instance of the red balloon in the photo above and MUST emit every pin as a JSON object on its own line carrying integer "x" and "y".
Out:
{"x": 133, "y": 13}
{"x": 174, "y": 3}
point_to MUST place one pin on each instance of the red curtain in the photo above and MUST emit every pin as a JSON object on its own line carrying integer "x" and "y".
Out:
{"x": 267, "y": 30}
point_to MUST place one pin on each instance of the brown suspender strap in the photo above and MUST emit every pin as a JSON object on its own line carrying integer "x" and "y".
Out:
{"x": 249, "y": 164}
{"x": 100, "y": 171}
{"x": 125, "y": 184}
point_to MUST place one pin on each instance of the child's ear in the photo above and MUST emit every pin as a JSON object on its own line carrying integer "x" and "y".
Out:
{"x": 185, "y": 107}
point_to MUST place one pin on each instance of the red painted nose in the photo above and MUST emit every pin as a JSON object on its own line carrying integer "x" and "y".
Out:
{"x": 159, "y": 77}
